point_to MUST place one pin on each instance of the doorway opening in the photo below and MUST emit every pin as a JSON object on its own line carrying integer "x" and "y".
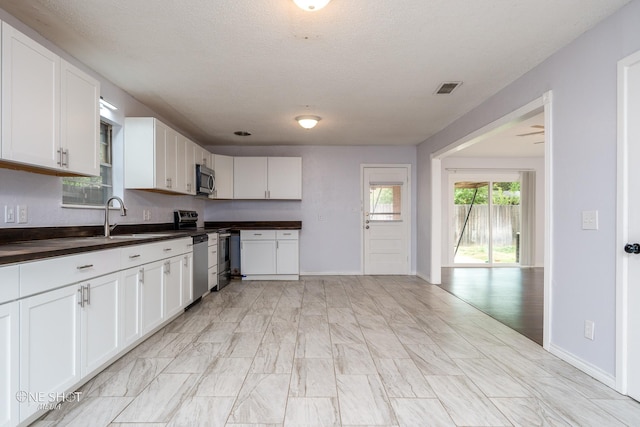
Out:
{"x": 497, "y": 148}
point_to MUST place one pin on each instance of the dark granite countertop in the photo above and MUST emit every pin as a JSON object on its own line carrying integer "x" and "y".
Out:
{"x": 46, "y": 248}
{"x": 254, "y": 225}
{"x": 31, "y": 244}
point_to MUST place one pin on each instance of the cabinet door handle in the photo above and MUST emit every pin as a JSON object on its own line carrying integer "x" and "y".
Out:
{"x": 65, "y": 153}
{"x": 186, "y": 261}
{"x": 84, "y": 267}
{"x": 277, "y": 244}
{"x": 81, "y": 296}
{"x": 134, "y": 256}
{"x": 167, "y": 267}
{"x": 88, "y": 300}
{"x": 142, "y": 275}
{"x": 59, "y": 162}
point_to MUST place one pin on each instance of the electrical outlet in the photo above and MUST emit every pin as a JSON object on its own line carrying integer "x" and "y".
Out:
{"x": 9, "y": 214}
{"x": 589, "y": 220}
{"x": 146, "y": 215}
{"x": 23, "y": 216}
{"x": 589, "y": 329}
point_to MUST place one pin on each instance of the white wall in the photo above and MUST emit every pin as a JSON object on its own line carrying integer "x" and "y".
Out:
{"x": 494, "y": 165}
{"x": 43, "y": 194}
{"x": 331, "y": 187}
{"x": 583, "y": 79}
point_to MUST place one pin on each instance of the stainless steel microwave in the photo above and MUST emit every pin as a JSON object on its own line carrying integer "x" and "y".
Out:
{"x": 205, "y": 181}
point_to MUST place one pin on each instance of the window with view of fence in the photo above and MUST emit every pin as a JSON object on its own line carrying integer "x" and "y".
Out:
{"x": 506, "y": 223}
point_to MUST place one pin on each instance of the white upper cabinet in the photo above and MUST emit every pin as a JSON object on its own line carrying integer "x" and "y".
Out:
{"x": 156, "y": 157}
{"x": 202, "y": 156}
{"x": 267, "y": 178}
{"x": 223, "y": 167}
{"x": 79, "y": 120}
{"x": 285, "y": 178}
{"x": 50, "y": 117}
{"x": 189, "y": 170}
{"x": 30, "y": 96}
{"x": 250, "y": 178}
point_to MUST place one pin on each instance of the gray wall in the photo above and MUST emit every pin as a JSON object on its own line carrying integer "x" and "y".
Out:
{"x": 583, "y": 79}
{"x": 330, "y": 187}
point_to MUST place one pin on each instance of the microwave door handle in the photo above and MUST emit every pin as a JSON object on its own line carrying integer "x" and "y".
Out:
{"x": 211, "y": 183}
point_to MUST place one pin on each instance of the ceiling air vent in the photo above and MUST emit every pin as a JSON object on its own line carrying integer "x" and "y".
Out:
{"x": 447, "y": 87}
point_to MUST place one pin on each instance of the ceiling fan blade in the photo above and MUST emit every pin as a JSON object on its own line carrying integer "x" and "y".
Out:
{"x": 532, "y": 133}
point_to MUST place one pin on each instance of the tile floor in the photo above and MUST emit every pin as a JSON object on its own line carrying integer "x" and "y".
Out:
{"x": 341, "y": 351}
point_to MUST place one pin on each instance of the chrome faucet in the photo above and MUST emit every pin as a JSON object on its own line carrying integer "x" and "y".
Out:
{"x": 123, "y": 212}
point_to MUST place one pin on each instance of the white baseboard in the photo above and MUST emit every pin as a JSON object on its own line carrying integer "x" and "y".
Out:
{"x": 593, "y": 371}
{"x": 331, "y": 273}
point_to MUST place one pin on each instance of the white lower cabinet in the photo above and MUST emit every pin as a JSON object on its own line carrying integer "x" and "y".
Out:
{"x": 187, "y": 279}
{"x": 287, "y": 257}
{"x": 100, "y": 325}
{"x": 130, "y": 305}
{"x": 151, "y": 296}
{"x": 9, "y": 363}
{"x": 172, "y": 286}
{"x": 269, "y": 255}
{"x": 49, "y": 337}
{"x": 57, "y": 335}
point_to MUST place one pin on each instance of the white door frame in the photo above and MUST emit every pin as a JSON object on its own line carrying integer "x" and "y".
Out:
{"x": 544, "y": 103}
{"x": 622, "y": 227}
{"x": 409, "y": 207}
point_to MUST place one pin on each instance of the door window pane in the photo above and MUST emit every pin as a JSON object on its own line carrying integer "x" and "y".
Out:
{"x": 471, "y": 222}
{"x": 505, "y": 219}
{"x": 385, "y": 202}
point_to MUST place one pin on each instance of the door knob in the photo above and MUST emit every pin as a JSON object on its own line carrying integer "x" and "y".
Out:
{"x": 632, "y": 248}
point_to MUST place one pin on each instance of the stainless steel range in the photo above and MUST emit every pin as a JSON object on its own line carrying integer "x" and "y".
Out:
{"x": 187, "y": 220}
{"x": 224, "y": 260}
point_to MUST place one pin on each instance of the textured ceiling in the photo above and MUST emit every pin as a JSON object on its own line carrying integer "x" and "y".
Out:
{"x": 369, "y": 68}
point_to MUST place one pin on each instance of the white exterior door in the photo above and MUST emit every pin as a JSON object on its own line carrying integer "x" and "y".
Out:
{"x": 387, "y": 219}
{"x": 629, "y": 226}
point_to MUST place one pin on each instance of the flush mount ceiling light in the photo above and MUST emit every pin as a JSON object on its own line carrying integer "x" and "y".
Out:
{"x": 311, "y": 5}
{"x": 308, "y": 122}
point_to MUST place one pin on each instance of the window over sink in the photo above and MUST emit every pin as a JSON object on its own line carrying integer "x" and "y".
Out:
{"x": 92, "y": 191}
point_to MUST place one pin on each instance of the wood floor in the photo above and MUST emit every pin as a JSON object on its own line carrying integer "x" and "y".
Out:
{"x": 513, "y": 296}
{"x": 340, "y": 351}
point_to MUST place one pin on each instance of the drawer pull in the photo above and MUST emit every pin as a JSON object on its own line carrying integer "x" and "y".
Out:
{"x": 84, "y": 267}
{"x": 134, "y": 256}
{"x": 167, "y": 249}
{"x": 287, "y": 234}
{"x": 257, "y": 234}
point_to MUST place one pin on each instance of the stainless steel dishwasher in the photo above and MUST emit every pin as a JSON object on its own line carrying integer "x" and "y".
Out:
{"x": 187, "y": 220}
{"x": 200, "y": 266}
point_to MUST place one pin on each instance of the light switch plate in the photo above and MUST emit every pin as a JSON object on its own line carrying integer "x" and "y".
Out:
{"x": 9, "y": 214}
{"x": 589, "y": 329}
{"x": 589, "y": 220}
{"x": 23, "y": 216}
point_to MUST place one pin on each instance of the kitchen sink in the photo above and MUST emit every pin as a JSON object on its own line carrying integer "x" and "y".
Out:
{"x": 139, "y": 236}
